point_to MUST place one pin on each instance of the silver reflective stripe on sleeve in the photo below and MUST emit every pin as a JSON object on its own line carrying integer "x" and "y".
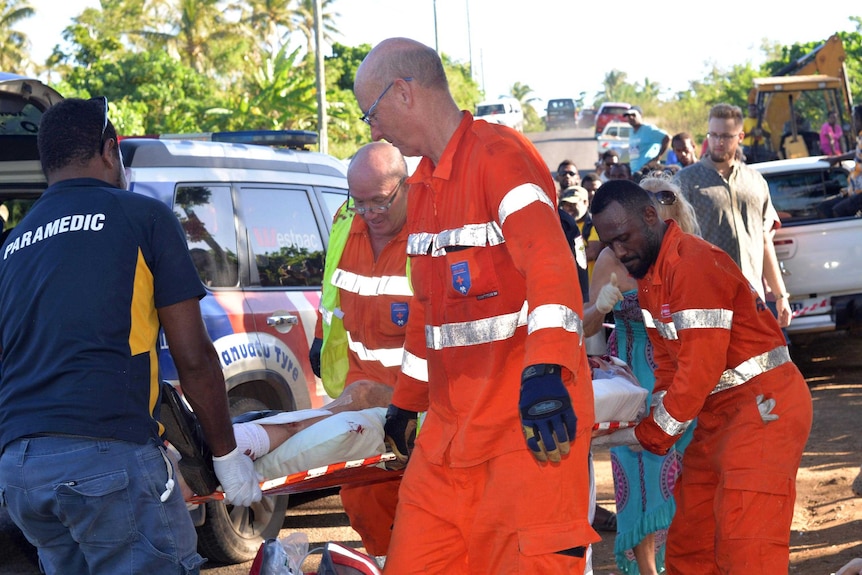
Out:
{"x": 554, "y": 315}
{"x": 703, "y": 318}
{"x": 752, "y": 367}
{"x": 415, "y": 367}
{"x": 648, "y": 320}
{"x": 387, "y": 357}
{"x": 475, "y": 332}
{"x": 690, "y": 319}
{"x": 667, "y": 423}
{"x": 519, "y": 198}
{"x": 371, "y": 285}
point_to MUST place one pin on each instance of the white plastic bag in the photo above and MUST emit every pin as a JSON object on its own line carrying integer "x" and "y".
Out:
{"x": 283, "y": 556}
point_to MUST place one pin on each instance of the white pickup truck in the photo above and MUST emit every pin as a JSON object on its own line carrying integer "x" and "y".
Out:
{"x": 820, "y": 252}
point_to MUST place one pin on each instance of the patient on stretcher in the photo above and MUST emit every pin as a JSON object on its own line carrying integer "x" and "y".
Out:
{"x": 284, "y": 442}
{"x": 351, "y": 427}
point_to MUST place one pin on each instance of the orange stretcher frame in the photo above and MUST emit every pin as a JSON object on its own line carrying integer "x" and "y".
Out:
{"x": 355, "y": 472}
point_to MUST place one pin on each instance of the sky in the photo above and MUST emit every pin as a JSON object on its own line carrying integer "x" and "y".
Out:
{"x": 558, "y": 48}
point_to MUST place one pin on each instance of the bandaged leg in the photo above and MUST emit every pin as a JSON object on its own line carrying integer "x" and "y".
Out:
{"x": 259, "y": 437}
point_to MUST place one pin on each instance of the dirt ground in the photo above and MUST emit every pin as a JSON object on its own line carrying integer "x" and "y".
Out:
{"x": 827, "y": 520}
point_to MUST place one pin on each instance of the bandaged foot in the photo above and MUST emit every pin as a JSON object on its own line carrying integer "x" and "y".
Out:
{"x": 251, "y": 439}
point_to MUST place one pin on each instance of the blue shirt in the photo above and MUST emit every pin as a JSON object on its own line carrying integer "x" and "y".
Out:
{"x": 81, "y": 278}
{"x": 644, "y": 145}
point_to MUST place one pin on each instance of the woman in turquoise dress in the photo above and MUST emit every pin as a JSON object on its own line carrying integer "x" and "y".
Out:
{"x": 643, "y": 481}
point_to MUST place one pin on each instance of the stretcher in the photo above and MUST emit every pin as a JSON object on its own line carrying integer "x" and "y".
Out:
{"x": 348, "y": 448}
{"x": 356, "y": 472}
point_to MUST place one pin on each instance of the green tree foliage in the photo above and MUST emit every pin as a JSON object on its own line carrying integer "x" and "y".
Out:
{"x": 280, "y": 96}
{"x": 207, "y": 65}
{"x": 14, "y": 45}
{"x": 465, "y": 90}
{"x": 532, "y": 121}
{"x": 149, "y": 93}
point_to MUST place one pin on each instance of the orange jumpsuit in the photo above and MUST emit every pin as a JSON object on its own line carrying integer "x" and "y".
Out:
{"x": 495, "y": 291}
{"x": 718, "y": 348}
{"x": 374, "y": 299}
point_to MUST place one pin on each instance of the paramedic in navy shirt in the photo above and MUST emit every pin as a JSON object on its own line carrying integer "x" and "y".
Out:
{"x": 86, "y": 278}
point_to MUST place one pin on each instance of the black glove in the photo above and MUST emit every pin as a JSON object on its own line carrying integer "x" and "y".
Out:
{"x": 547, "y": 417}
{"x": 400, "y": 433}
{"x": 314, "y": 355}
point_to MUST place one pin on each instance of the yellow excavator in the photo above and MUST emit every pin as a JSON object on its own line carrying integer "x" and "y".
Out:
{"x": 793, "y": 104}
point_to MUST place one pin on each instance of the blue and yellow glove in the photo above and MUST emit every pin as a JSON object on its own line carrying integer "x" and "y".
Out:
{"x": 547, "y": 416}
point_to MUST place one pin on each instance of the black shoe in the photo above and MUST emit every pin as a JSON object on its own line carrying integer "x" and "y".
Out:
{"x": 184, "y": 432}
{"x": 605, "y": 520}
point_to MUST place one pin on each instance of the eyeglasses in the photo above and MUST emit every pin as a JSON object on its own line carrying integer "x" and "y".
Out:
{"x": 103, "y": 100}
{"x": 568, "y": 173}
{"x": 368, "y": 116}
{"x": 722, "y": 137}
{"x": 665, "y": 197}
{"x": 382, "y": 207}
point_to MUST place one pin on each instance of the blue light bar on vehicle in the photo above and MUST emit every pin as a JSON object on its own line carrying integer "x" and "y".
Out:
{"x": 296, "y": 139}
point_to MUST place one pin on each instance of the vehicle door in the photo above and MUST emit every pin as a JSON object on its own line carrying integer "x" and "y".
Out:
{"x": 283, "y": 234}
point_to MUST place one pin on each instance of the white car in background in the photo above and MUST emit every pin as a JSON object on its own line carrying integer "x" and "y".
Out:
{"x": 504, "y": 111}
{"x": 615, "y": 136}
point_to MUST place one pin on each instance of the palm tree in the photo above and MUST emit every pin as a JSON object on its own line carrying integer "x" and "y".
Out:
{"x": 614, "y": 82}
{"x": 303, "y": 22}
{"x": 14, "y": 45}
{"x": 196, "y": 34}
{"x": 267, "y": 20}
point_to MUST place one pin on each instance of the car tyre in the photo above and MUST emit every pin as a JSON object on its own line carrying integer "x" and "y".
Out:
{"x": 232, "y": 534}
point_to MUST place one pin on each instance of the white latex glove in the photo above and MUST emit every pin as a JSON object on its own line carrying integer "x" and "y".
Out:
{"x": 765, "y": 407}
{"x": 239, "y": 480}
{"x": 622, "y": 437}
{"x": 609, "y": 295}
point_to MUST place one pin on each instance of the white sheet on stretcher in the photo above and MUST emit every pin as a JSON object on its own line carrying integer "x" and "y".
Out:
{"x": 358, "y": 434}
{"x": 342, "y": 437}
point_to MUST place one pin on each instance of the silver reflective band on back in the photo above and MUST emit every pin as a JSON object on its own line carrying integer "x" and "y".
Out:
{"x": 475, "y": 332}
{"x": 666, "y": 421}
{"x": 469, "y": 236}
{"x": 690, "y": 319}
{"x": 752, "y": 367}
{"x": 554, "y": 315}
{"x": 387, "y": 357}
{"x": 370, "y": 285}
{"x": 519, "y": 198}
{"x": 415, "y": 367}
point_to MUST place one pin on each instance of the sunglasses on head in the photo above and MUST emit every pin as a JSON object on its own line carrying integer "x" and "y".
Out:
{"x": 102, "y": 101}
{"x": 665, "y": 197}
